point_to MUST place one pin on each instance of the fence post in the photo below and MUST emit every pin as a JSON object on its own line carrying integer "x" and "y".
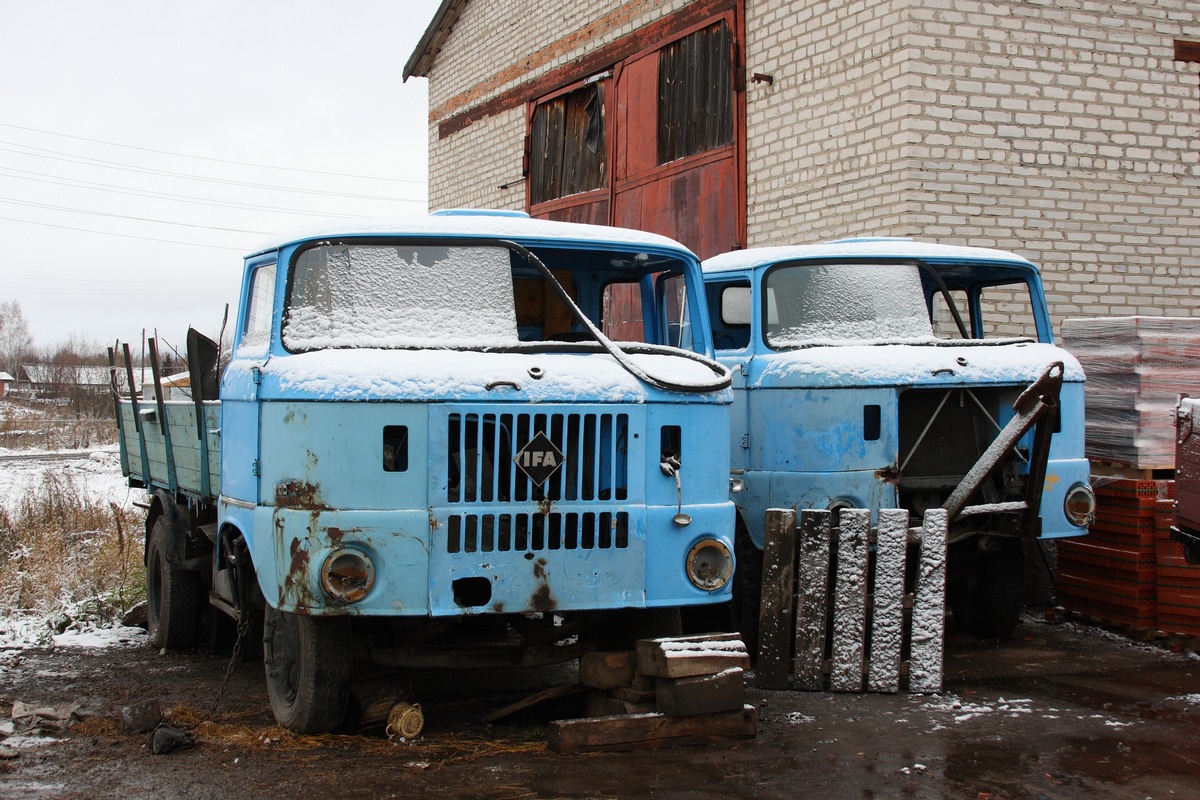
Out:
{"x": 849, "y": 601}
{"x": 775, "y": 608}
{"x": 929, "y": 614}
{"x": 812, "y": 600}
{"x": 887, "y": 618}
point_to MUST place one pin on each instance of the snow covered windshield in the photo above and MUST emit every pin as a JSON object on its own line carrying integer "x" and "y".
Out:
{"x": 401, "y": 296}
{"x": 845, "y": 303}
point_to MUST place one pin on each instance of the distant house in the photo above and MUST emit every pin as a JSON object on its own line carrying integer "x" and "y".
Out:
{"x": 175, "y": 387}
{"x": 60, "y": 381}
{"x": 5, "y": 380}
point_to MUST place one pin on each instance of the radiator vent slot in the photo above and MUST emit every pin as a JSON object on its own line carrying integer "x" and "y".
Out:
{"x": 481, "y": 447}
{"x": 491, "y": 533}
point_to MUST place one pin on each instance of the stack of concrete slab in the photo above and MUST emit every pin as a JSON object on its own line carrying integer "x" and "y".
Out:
{"x": 1136, "y": 366}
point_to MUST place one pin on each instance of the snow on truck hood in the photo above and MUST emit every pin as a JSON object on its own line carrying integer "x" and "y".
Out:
{"x": 912, "y": 365}
{"x": 456, "y": 375}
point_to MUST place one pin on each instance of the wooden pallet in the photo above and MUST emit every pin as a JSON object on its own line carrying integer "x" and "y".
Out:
{"x": 1113, "y": 469}
{"x": 802, "y": 616}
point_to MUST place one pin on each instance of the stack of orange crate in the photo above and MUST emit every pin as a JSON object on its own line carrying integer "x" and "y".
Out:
{"x": 1178, "y": 581}
{"x": 1111, "y": 573}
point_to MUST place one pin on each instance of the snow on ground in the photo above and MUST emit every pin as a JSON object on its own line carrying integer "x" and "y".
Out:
{"x": 95, "y": 472}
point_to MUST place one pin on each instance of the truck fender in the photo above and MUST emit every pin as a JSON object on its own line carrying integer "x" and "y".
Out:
{"x": 161, "y": 504}
{"x": 241, "y": 589}
{"x": 179, "y": 519}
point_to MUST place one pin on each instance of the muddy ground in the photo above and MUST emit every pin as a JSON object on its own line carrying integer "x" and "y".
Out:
{"x": 1059, "y": 711}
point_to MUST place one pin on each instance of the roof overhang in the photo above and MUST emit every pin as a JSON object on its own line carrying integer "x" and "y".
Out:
{"x": 421, "y": 60}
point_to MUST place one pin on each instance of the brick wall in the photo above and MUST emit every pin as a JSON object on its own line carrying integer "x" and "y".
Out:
{"x": 1063, "y": 130}
{"x": 496, "y": 45}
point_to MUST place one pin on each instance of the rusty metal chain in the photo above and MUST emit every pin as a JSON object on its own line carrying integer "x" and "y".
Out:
{"x": 243, "y": 626}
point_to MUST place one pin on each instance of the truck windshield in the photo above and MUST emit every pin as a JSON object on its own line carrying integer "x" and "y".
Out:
{"x": 401, "y": 296}
{"x": 844, "y": 303}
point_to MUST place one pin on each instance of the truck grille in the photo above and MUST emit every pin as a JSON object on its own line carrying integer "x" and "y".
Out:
{"x": 481, "y": 448}
{"x": 489, "y": 533}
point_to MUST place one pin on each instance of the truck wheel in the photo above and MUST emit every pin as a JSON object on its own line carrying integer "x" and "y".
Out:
{"x": 171, "y": 594}
{"x": 307, "y": 663}
{"x": 987, "y": 593}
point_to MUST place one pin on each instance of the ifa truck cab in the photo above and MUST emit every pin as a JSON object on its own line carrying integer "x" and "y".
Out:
{"x": 435, "y": 432}
{"x": 877, "y": 373}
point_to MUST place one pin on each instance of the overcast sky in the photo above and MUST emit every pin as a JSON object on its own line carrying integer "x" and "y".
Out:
{"x": 147, "y": 145}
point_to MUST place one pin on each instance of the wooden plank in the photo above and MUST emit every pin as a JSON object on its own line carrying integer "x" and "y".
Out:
{"x": 608, "y": 669}
{"x": 775, "y": 609}
{"x": 887, "y": 619}
{"x": 547, "y": 695}
{"x": 929, "y": 608}
{"x": 702, "y": 694}
{"x": 812, "y": 601}
{"x": 849, "y": 601}
{"x": 684, "y": 656}
{"x": 649, "y": 731}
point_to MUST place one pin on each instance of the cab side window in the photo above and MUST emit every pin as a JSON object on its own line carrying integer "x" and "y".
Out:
{"x": 257, "y": 332}
{"x": 729, "y": 310}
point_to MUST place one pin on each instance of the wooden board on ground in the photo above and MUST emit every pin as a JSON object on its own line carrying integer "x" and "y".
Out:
{"x": 702, "y": 694}
{"x": 649, "y": 731}
{"x": 545, "y": 696}
{"x": 685, "y": 656}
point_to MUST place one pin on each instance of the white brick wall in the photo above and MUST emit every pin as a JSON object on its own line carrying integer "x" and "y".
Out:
{"x": 1063, "y": 130}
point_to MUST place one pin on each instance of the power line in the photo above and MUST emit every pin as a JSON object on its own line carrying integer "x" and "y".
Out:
{"x": 123, "y": 235}
{"x": 106, "y": 281}
{"x": 96, "y": 162}
{"x": 179, "y": 198}
{"x": 217, "y": 160}
{"x": 10, "y": 201}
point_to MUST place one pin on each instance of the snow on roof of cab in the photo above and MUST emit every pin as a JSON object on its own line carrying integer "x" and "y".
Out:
{"x": 473, "y": 222}
{"x": 879, "y": 247}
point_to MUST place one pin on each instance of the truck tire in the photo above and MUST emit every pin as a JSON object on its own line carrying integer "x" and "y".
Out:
{"x": 172, "y": 594}
{"x": 987, "y": 594}
{"x": 307, "y": 662}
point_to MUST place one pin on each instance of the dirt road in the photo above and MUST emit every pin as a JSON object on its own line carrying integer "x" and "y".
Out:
{"x": 1059, "y": 711}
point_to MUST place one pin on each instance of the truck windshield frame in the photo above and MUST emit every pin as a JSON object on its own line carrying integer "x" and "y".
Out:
{"x": 468, "y": 294}
{"x": 399, "y": 295}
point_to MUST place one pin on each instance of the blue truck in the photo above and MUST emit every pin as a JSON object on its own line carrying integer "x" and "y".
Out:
{"x": 426, "y": 443}
{"x": 880, "y": 373}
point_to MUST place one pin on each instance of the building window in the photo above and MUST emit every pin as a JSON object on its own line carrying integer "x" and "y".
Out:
{"x": 695, "y": 93}
{"x": 567, "y": 144}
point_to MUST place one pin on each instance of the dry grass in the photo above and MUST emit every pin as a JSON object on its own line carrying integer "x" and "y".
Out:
{"x": 45, "y": 428}
{"x": 432, "y": 750}
{"x": 61, "y": 550}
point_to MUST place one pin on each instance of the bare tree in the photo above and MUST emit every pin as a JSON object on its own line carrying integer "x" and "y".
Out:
{"x": 15, "y": 342}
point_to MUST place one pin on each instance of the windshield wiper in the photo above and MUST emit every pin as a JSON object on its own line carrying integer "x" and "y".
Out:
{"x": 722, "y": 380}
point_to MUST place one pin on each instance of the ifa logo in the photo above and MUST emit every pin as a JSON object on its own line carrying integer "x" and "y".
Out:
{"x": 539, "y": 458}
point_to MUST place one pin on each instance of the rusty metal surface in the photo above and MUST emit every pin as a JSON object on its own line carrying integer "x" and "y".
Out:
{"x": 1031, "y": 409}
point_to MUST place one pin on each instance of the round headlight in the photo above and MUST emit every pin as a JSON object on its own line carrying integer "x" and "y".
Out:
{"x": 1080, "y": 505}
{"x": 709, "y": 565}
{"x": 347, "y": 575}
